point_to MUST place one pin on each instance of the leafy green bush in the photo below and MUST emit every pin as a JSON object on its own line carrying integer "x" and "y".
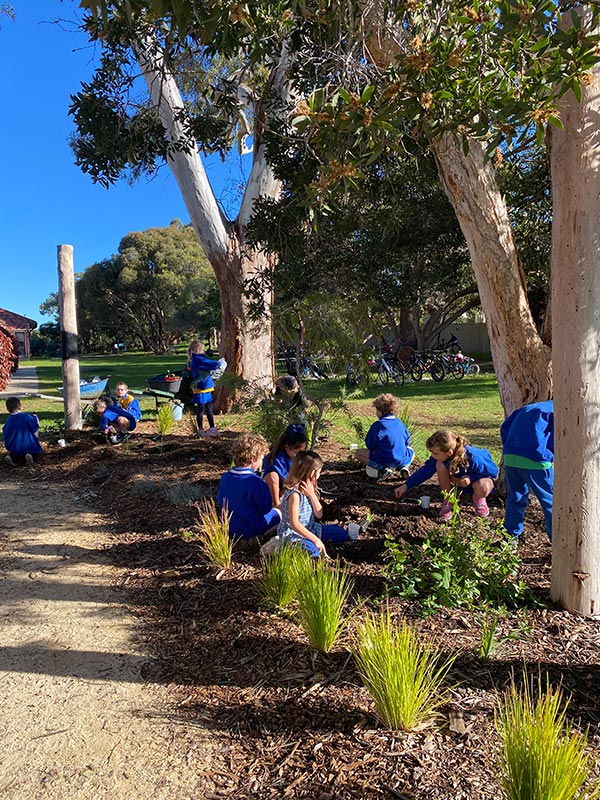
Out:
{"x": 322, "y": 595}
{"x": 283, "y": 571}
{"x": 403, "y": 675}
{"x": 542, "y": 757}
{"x": 457, "y": 565}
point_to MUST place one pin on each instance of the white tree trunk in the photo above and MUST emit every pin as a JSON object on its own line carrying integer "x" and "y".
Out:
{"x": 247, "y": 346}
{"x": 575, "y": 160}
{"x": 521, "y": 360}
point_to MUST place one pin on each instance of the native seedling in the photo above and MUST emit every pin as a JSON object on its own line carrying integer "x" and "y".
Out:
{"x": 543, "y": 758}
{"x": 283, "y": 572}
{"x": 403, "y": 675}
{"x": 212, "y": 534}
{"x": 322, "y": 596}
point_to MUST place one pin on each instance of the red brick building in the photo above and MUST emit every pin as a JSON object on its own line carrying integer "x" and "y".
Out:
{"x": 21, "y": 327}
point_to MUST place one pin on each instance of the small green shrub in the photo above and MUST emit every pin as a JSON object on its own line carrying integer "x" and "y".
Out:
{"x": 212, "y": 534}
{"x": 457, "y": 565}
{"x": 543, "y": 758}
{"x": 283, "y": 571}
{"x": 164, "y": 419}
{"x": 403, "y": 675}
{"x": 322, "y": 596}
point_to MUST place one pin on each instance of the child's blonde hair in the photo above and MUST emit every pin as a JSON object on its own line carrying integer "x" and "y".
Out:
{"x": 196, "y": 346}
{"x": 121, "y": 383}
{"x": 102, "y": 401}
{"x": 448, "y": 442}
{"x": 385, "y": 404}
{"x": 249, "y": 447}
{"x": 304, "y": 465}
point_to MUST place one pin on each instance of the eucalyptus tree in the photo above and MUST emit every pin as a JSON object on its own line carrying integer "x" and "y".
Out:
{"x": 189, "y": 109}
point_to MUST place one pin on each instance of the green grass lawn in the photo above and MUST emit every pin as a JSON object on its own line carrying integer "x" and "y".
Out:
{"x": 470, "y": 407}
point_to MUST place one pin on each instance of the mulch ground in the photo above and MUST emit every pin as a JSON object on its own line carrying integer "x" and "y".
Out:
{"x": 292, "y": 723}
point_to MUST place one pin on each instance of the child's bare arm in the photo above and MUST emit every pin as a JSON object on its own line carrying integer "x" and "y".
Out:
{"x": 309, "y": 488}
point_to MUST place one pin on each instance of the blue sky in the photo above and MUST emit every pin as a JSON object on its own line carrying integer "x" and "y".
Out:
{"x": 45, "y": 199}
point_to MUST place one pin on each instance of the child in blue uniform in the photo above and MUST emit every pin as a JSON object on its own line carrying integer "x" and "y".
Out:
{"x": 528, "y": 448}
{"x": 116, "y": 422}
{"x": 20, "y": 434}
{"x": 243, "y": 495}
{"x": 128, "y": 401}
{"x": 278, "y": 462}
{"x": 388, "y": 440}
{"x": 301, "y": 508}
{"x": 202, "y": 384}
{"x": 456, "y": 463}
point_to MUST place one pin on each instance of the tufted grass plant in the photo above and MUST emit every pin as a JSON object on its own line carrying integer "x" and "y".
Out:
{"x": 322, "y": 597}
{"x": 165, "y": 421}
{"x": 543, "y": 758}
{"x": 282, "y": 572}
{"x": 212, "y": 534}
{"x": 403, "y": 675}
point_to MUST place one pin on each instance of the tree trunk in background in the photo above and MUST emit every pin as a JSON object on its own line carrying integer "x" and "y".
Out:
{"x": 576, "y": 347}
{"x": 521, "y": 360}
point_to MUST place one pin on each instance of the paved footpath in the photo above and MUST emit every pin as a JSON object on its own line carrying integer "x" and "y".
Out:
{"x": 24, "y": 380}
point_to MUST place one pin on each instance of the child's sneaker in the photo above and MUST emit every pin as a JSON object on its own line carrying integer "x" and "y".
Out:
{"x": 213, "y": 431}
{"x": 445, "y": 511}
{"x": 385, "y": 473}
{"x": 481, "y": 507}
{"x": 9, "y": 461}
{"x": 353, "y": 531}
{"x": 29, "y": 459}
{"x": 404, "y": 473}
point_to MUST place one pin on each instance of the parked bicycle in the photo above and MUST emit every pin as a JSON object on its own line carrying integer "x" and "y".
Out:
{"x": 389, "y": 368}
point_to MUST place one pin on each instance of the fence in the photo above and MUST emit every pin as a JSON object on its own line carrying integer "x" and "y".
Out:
{"x": 473, "y": 336}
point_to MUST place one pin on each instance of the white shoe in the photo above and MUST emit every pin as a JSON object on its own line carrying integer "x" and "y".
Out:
{"x": 29, "y": 459}
{"x": 9, "y": 461}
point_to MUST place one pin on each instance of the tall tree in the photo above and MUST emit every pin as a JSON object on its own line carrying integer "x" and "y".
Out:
{"x": 111, "y": 138}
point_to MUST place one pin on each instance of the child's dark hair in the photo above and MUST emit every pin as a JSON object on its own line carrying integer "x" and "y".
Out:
{"x": 303, "y": 466}
{"x": 292, "y": 436}
{"x": 12, "y": 404}
{"x": 447, "y": 441}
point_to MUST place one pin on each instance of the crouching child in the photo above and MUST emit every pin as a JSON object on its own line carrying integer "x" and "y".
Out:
{"x": 20, "y": 434}
{"x": 245, "y": 496}
{"x": 115, "y": 422}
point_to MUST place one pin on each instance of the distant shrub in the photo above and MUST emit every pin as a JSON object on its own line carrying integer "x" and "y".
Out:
{"x": 9, "y": 355}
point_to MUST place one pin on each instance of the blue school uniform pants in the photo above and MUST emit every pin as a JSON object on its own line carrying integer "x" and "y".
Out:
{"x": 519, "y": 483}
{"x": 329, "y": 533}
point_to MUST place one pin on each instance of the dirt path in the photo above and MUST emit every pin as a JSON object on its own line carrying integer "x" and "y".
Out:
{"x": 78, "y": 720}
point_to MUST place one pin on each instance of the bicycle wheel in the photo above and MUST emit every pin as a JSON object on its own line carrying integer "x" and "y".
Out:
{"x": 416, "y": 372}
{"x": 473, "y": 369}
{"x": 398, "y": 375}
{"x": 383, "y": 376}
{"x": 456, "y": 370}
{"x": 437, "y": 371}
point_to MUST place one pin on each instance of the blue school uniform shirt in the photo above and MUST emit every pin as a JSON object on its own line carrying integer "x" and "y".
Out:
{"x": 281, "y": 464}
{"x": 20, "y": 434}
{"x": 248, "y": 499}
{"x": 480, "y": 466}
{"x": 129, "y": 403}
{"x": 528, "y": 436}
{"x": 111, "y": 414}
{"x": 201, "y": 367}
{"x": 388, "y": 441}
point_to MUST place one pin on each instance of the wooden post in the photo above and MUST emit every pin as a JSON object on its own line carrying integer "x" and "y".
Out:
{"x": 68, "y": 337}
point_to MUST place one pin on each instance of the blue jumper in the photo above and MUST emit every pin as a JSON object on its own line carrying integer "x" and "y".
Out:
{"x": 202, "y": 380}
{"x": 131, "y": 404}
{"x": 388, "y": 442}
{"x": 248, "y": 501}
{"x": 112, "y": 412}
{"x": 20, "y": 434}
{"x": 480, "y": 465}
{"x": 528, "y": 448}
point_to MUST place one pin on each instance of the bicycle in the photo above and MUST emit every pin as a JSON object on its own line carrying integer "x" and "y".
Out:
{"x": 389, "y": 368}
{"x": 424, "y": 361}
{"x": 451, "y": 345}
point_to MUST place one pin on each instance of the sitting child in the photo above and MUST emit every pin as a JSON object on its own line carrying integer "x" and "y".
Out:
{"x": 301, "y": 508}
{"x": 202, "y": 384}
{"x": 127, "y": 400}
{"x": 388, "y": 440}
{"x": 277, "y": 464}
{"x": 457, "y": 463}
{"x": 243, "y": 494}
{"x": 20, "y": 434}
{"x": 116, "y": 422}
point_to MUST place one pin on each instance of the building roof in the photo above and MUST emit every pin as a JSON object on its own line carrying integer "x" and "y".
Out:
{"x": 16, "y": 322}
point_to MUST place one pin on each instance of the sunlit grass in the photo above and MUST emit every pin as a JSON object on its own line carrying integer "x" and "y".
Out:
{"x": 543, "y": 758}
{"x": 322, "y": 597}
{"x": 404, "y": 675}
{"x": 212, "y": 534}
{"x": 282, "y": 572}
